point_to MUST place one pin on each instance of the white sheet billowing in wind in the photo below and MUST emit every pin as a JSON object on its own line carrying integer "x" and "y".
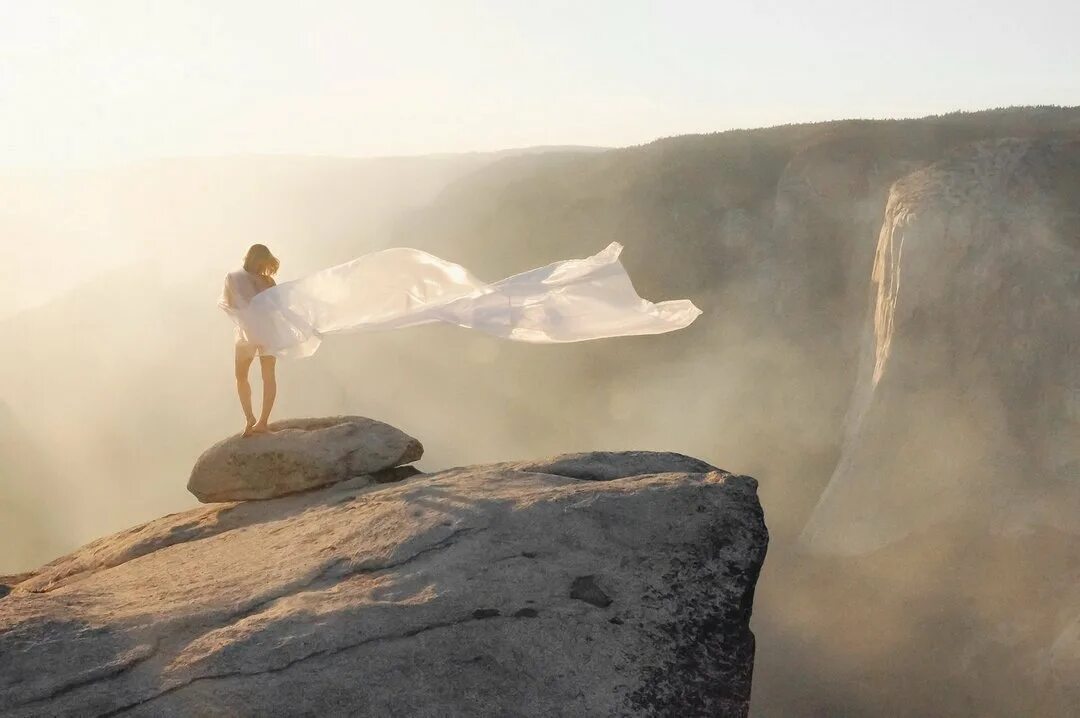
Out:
{"x": 569, "y": 301}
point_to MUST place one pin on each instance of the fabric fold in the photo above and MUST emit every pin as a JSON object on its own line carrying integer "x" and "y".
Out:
{"x": 569, "y": 301}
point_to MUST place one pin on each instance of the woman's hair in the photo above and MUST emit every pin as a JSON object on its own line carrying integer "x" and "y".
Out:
{"x": 258, "y": 260}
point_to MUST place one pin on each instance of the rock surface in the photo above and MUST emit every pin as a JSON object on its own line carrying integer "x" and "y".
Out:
{"x": 968, "y": 398}
{"x": 512, "y": 589}
{"x": 301, "y": 454}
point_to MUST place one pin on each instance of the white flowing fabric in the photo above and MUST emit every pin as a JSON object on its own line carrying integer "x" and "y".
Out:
{"x": 570, "y": 301}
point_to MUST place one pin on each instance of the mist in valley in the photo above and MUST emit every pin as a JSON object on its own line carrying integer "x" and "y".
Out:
{"x": 917, "y": 564}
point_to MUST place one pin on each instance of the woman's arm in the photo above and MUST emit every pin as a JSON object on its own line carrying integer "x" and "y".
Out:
{"x": 227, "y": 301}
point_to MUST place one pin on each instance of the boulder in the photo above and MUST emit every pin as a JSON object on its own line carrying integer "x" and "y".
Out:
{"x": 526, "y": 589}
{"x": 299, "y": 455}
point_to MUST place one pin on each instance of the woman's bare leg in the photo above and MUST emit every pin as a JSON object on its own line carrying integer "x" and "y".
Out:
{"x": 269, "y": 381}
{"x": 243, "y": 388}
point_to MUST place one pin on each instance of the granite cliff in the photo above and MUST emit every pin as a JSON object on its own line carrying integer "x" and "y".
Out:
{"x": 589, "y": 584}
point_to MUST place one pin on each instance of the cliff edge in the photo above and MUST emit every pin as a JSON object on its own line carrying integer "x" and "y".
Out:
{"x": 591, "y": 584}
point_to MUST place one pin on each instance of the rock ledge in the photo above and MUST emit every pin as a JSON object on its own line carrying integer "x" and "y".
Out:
{"x": 508, "y": 589}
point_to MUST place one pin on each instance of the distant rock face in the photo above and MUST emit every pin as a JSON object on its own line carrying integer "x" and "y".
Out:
{"x": 301, "y": 454}
{"x": 968, "y": 397}
{"x": 575, "y": 586}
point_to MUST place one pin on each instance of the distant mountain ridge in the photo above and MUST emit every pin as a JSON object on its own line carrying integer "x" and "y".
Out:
{"x": 771, "y": 231}
{"x": 789, "y": 238}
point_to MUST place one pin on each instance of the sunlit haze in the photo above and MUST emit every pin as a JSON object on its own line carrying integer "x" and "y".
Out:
{"x": 843, "y": 258}
{"x": 105, "y": 82}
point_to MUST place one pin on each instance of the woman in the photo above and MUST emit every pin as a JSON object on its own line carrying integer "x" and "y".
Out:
{"x": 241, "y": 286}
{"x": 570, "y": 301}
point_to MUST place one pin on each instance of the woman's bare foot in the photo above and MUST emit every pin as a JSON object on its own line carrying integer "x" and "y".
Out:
{"x": 249, "y": 426}
{"x": 261, "y": 428}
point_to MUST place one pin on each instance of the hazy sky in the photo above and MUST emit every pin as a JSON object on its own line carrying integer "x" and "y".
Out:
{"x": 103, "y": 81}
